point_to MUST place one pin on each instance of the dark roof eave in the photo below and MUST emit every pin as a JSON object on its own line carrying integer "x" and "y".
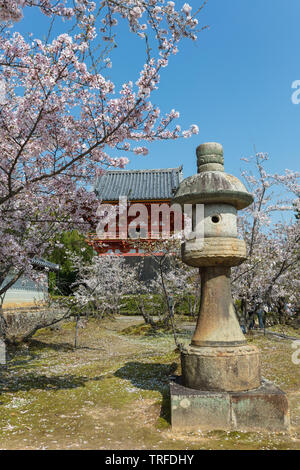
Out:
{"x": 42, "y": 263}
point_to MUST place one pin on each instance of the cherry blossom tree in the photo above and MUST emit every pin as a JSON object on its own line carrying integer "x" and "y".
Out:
{"x": 272, "y": 233}
{"x": 102, "y": 283}
{"x": 12, "y": 10}
{"x": 63, "y": 121}
{"x": 174, "y": 281}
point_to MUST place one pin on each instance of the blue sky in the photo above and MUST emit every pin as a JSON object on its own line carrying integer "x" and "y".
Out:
{"x": 234, "y": 83}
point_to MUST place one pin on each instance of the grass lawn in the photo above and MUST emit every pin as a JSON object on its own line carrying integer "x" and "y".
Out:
{"x": 112, "y": 392}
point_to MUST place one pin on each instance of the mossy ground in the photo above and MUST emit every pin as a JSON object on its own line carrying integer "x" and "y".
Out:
{"x": 112, "y": 392}
{"x": 286, "y": 330}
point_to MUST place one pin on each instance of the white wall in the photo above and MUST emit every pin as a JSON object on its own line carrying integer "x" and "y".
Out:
{"x": 25, "y": 291}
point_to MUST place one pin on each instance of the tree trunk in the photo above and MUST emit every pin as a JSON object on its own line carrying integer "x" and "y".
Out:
{"x": 148, "y": 319}
{"x": 76, "y": 331}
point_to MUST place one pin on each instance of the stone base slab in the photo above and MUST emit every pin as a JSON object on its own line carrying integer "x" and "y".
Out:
{"x": 265, "y": 408}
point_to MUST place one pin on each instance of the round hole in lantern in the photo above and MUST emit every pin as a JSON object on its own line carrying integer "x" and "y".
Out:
{"x": 216, "y": 218}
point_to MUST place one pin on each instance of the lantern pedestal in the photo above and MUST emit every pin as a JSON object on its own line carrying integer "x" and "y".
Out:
{"x": 221, "y": 368}
{"x": 219, "y": 357}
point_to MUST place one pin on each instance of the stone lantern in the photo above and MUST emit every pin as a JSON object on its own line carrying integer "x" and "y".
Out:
{"x": 219, "y": 363}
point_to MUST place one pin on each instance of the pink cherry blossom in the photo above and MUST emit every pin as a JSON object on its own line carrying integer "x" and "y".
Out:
{"x": 272, "y": 234}
{"x": 63, "y": 121}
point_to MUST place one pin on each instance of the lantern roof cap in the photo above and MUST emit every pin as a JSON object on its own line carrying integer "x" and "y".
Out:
{"x": 212, "y": 185}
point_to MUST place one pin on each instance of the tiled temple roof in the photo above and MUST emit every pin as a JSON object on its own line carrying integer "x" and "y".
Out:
{"x": 138, "y": 185}
{"x": 43, "y": 263}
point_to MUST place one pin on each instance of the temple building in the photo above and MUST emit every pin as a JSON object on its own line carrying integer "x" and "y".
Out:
{"x": 27, "y": 293}
{"x": 152, "y": 188}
